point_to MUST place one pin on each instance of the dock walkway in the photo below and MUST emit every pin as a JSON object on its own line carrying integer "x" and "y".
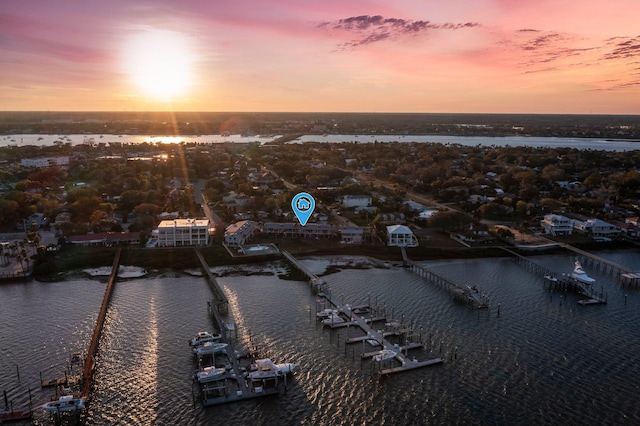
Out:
{"x": 469, "y": 295}
{"x": 221, "y": 301}
{"x": 380, "y": 337}
{"x": 559, "y": 280}
{"x": 90, "y": 363}
{"x": 622, "y": 273}
{"x": 314, "y": 280}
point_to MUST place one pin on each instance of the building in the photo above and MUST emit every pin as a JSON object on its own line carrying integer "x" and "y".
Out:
{"x": 239, "y": 233}
{"x": 555, "y": 224}
{"x": 183, "y": 232}
{"x": 45, "y": 162}
{"x": 400, "y": 236}
{"x": 356, "y": 201}
{"x": 352, "y": 235}
{"x": 295, "y": 230}
{"x": 596, "y": 228}
{"x": 106, "y": 239}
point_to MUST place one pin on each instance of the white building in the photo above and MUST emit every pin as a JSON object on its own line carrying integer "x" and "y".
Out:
{"x": 400, "y": 236}
{"x": 356, "y": 201}
{"x": 555, "y": 224}
{"x": 45, "y": 162}
{"x": 596, "y": 228}
{"x": 239, "y": 233}
{"x": 183, "y": 232}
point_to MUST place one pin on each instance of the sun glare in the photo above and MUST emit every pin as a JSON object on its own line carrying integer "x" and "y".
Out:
{"x": 159, "y": 63}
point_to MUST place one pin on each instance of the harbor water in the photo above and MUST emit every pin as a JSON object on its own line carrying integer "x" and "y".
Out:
{"x": 542, "y": 359}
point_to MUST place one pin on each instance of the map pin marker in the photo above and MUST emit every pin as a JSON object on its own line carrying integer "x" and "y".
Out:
{"x": 303, "y": 205}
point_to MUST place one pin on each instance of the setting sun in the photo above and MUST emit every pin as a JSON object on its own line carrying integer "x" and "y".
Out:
{"x": 159, "y": 63}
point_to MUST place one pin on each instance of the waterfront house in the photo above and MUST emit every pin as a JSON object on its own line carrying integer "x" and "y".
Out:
{"x": 400, "y": 236}
{"x": 555, "y": 224}
{"x": 239, "y": 233}
{"x": 596, "y": 228}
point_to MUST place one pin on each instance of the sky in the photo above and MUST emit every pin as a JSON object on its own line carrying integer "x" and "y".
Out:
{"x": 448, "y": 56}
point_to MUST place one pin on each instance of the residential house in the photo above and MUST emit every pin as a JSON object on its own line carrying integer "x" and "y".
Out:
{"x": 400, "y": 236}
{"x": 596, "y": 228}
{"x": 356, "y": 201}
{"x": 555, "y": 224}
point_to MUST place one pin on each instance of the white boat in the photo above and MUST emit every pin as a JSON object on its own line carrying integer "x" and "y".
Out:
{"x": 373, "y": 342}
{"x": 210, "y": 374}
{"x": 333, "y": 319}
{"x": 266, "y": 369}
{"x": 203, "y": 337}
{"x": 580, "y": 275}
{"x": 209, "y": 348}
{"x": 65, "y": 403}
{"x": 326, "y": 313}
{"x": 384, "y": 355}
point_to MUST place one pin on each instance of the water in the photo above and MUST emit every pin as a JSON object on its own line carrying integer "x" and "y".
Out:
{"x": 544, "y": 360}
{"x": 535, "y": 142}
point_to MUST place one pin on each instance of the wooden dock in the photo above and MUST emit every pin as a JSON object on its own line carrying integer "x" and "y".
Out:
{"x": 90, "y": 362}
{"x": 315, "y": 282}
{"x": 559, "y": 281}
{"x": 234, "y": 386}
{"x": 220, "y": 299}
{"x": 470, "y": 296}
{"x": 378, "y": 335}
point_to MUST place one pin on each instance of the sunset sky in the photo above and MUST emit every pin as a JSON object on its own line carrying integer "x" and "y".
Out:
{"x": 504, "y": 56}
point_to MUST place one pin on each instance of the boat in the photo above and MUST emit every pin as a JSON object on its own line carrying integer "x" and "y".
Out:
{"x": 264, "y": 369}
{"x": 580, "y": 275}
{"x": 326, "y": 313}
{"x": 210, "y": 374}
{"x": 334, "y": 318}
{"x": 384, "y": 355}
{"x": 373, "y": 342}
{"x": 209, "y": 348}
{"x": 361, "y": 310}
{"x": 65, "y": 403}
{"x": 203, "y": 337}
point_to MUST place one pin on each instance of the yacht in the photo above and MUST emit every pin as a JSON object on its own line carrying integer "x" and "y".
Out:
{"x": 334, "y": 318}
{"x": 203, "y": 337}
{"x": 384, "y": 355}
{"x": 210, "y": 374}
{"x": 65, "y": 403}
{"x": 266, "y": 369}
{"x": 580, "y": 275}
{"x": 326, "y": 313}
{"x": 209, "y": 348}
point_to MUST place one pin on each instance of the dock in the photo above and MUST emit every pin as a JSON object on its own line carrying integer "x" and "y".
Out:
{"x": 470, "y": 295}
{"x": 234, "y": 386}
{"x": 315, "y": 282}
{"x": 220, "y": 299}
{"x": 559, "y": 281}
{"x": 381, "y": 337}
{"x": 90, "y": 361}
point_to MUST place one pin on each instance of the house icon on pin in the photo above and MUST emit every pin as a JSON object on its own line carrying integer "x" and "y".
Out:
{"x": 304, "y": 204}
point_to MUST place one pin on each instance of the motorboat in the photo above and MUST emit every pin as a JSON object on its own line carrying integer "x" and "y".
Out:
{"x": 384, "y": 355}
{"x": 210, "y": 348}
{"x": 580, "y": 275}
{"x": 203, "y": 337}
{"x": 265, "y": 369}
{"x": 65, "y": 403}
{"x": 210, "y": 374}
{"x": 334, "y": 318}
{"x": 326, "y": 313}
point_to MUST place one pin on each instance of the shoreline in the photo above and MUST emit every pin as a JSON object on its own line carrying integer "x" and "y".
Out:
{"x": 67, "y": 261}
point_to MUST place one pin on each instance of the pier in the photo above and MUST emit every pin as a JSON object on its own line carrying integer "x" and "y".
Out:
{"x": 471, "y": 296}
{"x": 221, "y": 301}
{"x": 314, "y": 280}
{"x": 624, "y": 275}
{"x": 381, "y": 337}
{"x": 234, "y": 385}
{"x": 559, "y": 281}
{"x": 90, "y": 362}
